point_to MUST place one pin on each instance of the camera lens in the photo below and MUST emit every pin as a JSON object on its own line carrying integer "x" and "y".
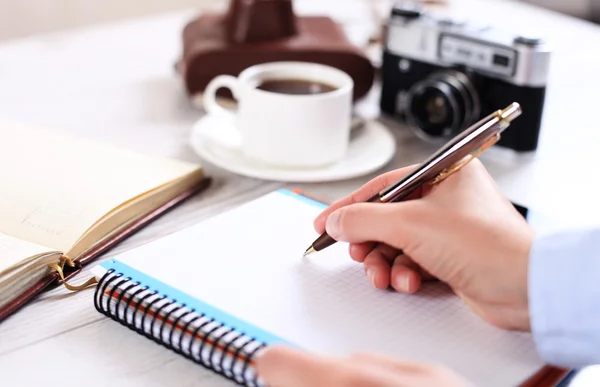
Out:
{"x": 442, "y": 105}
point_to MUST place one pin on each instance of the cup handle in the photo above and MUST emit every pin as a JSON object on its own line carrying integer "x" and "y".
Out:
{"x": 210, "y": 96}
{"x": 219, "y": 126}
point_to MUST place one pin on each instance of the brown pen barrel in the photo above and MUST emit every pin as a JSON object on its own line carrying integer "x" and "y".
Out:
{"x": 323, "y": 241}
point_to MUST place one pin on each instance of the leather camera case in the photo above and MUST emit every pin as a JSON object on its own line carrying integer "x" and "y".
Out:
{"x": 259, "y": 31}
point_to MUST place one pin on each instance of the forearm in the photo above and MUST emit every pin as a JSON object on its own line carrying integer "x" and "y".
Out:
{"x": 564, "y": 297}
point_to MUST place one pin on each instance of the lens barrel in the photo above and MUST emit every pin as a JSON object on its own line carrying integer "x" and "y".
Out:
{"x": 442, "y": 105}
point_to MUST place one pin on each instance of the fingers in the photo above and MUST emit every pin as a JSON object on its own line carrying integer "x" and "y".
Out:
{"x": 359, "y": 251}
{"x": 362, "y": 194}
{"x": 385, "y": 266}
{"x": 377, "y": 266}
{"x": 377, "y": 269}
{"x": 409, "y": 373}
{"x": 284, "y": 367}
{"x": 405, "y": 275}
{"x": 389, "y": 363}
{"x": 280, "y": 366}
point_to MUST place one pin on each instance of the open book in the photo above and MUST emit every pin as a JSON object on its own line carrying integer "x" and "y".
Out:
{"x": 64, "y": 200}
{"x": 240, "y": 283}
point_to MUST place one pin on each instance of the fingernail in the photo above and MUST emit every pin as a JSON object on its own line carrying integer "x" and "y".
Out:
{"x": 403, "y": 282}
{"x": 333, "y": 224}
{"x": 371, "y": 276}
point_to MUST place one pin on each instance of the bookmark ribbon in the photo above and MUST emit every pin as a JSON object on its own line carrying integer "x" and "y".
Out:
{"x": 59, "y": 267}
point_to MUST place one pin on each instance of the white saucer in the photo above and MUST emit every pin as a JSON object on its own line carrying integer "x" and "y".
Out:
{"x": 372, "y": 147}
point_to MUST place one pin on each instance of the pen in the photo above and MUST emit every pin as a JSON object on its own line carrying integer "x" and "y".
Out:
{"x": 454, "y": 155}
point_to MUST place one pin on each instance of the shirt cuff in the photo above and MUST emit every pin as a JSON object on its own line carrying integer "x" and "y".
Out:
{"x": 564, "y": 298}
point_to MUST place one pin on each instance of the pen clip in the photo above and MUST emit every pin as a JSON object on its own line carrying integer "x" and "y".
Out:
{"x": 454, "y": 168}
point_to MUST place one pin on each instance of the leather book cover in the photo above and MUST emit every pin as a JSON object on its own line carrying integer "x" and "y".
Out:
{"x": 53, "y": 279}
{"x": 548, "y": 376}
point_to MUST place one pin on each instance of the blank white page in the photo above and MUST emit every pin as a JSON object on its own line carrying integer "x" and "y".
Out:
{"x": 248, "y": 263}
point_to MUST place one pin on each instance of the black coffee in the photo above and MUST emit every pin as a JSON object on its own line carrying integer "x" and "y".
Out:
{"x": 294, "y": 86}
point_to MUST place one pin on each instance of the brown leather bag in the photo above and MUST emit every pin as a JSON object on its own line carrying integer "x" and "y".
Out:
{"x": 258, "y": 31}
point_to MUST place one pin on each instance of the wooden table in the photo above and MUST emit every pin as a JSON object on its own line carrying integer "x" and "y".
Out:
{"x": 116, "y": 83}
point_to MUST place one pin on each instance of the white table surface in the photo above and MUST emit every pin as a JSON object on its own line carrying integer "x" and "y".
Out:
{"x": 116, "y": 83}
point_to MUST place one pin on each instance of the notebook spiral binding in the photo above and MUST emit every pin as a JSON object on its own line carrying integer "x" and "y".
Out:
{"x": 190, "y": 333}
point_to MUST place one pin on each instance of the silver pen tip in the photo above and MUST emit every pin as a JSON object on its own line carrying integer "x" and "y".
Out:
{"x": 511, "y": 112}
{"x": 308, "y": 251}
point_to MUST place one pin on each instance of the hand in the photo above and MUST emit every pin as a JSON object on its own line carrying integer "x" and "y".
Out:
{"x": 462, "y": 231}
{"x": 283, "y": 367}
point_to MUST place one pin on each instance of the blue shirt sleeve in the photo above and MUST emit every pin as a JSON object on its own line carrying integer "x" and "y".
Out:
{"x": 564, "y": 297}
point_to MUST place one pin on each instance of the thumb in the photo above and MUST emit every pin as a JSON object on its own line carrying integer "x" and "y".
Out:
{"x": 389, "y": 223}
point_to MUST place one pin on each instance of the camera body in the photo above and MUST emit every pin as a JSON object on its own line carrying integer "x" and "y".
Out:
{"x": 441, "y": 76}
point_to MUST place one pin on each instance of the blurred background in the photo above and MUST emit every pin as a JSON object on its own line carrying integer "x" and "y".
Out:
{"x": 19, "y": 18}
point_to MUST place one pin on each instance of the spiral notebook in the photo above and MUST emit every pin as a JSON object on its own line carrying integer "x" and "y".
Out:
{"x": 221, "y": 290}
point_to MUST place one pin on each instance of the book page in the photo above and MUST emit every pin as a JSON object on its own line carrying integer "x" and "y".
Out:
{"x": 54, "y": 187}
{"x": 248, "y": 263}
{"x": 14, "y": 251}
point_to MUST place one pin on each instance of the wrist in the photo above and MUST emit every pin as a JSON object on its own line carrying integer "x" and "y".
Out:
{"x": 508, "y": 303}
{"x": 522, "y": 266}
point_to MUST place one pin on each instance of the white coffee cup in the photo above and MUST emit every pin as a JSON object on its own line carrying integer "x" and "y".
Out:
{"x": 287, "y": 130}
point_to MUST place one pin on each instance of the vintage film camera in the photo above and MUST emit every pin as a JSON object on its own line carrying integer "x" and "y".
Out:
{"x": 440, "y": 76}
